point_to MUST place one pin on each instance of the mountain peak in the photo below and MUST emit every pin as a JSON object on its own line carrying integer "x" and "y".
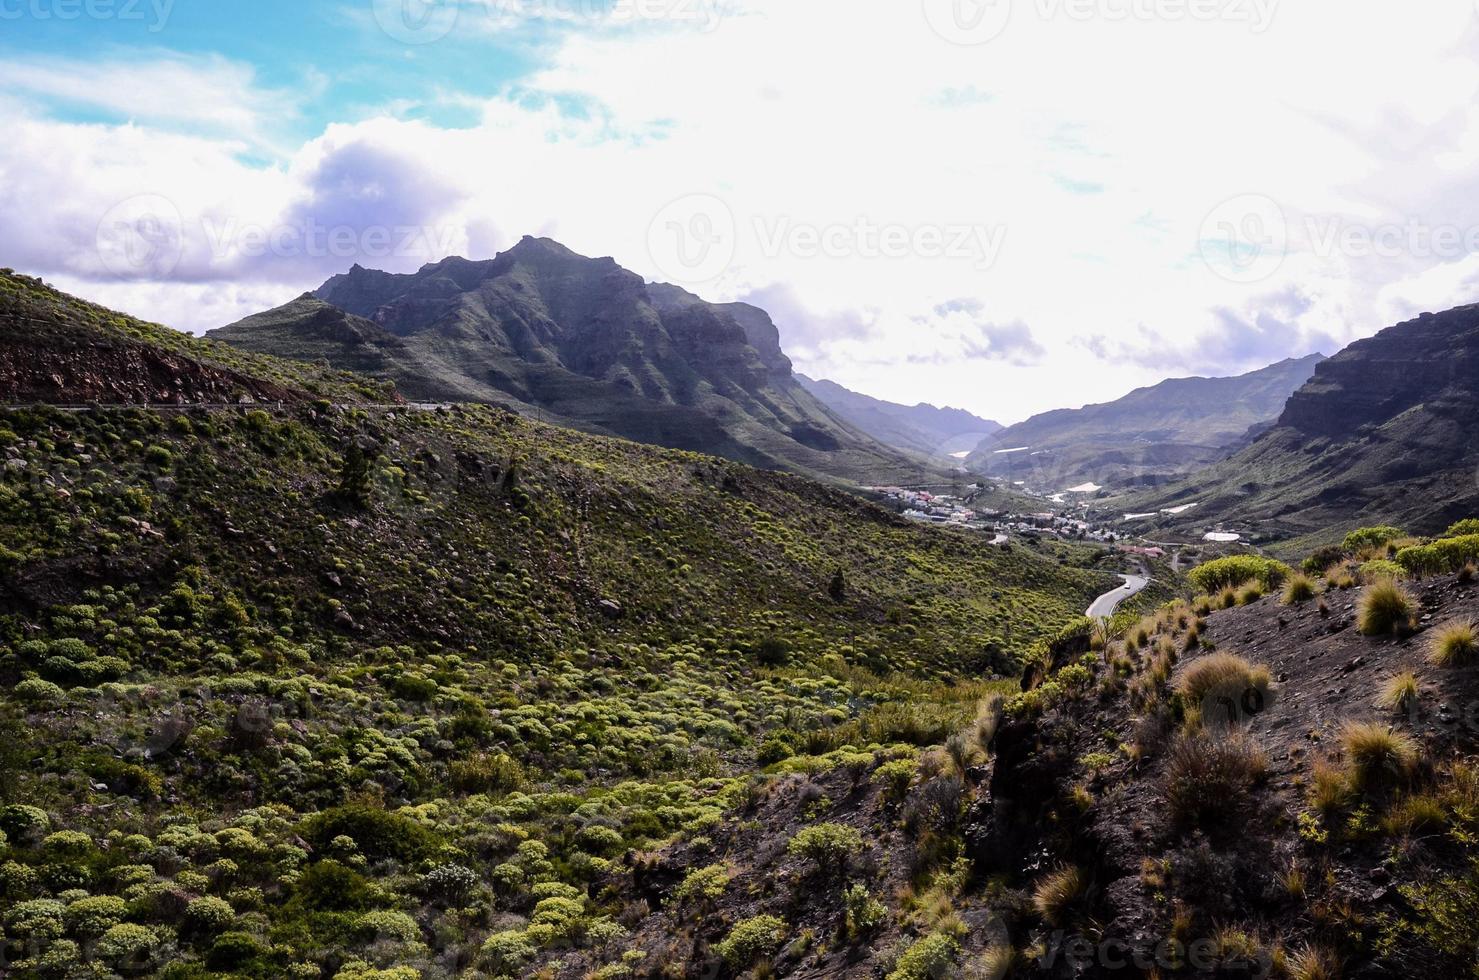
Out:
{"x": 582, "y": 340}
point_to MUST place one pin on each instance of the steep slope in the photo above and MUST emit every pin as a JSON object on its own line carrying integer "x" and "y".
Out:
{"x": 938, "y": 432}
{"x": 321, "y": 689}
{"x": 1152, "y": 432}
{"x": 56, "y": 348}
{"x": 1386, "y": 428}
{"x": 586, "y": 343}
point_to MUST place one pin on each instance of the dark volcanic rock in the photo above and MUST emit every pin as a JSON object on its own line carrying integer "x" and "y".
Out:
{"x": 1433, "y": 360}
{"x": 583, "y": 342}
{"x": 1383, "y": 434}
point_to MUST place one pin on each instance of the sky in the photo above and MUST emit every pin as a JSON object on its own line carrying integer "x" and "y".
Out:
{"x": 1008, "y": 206}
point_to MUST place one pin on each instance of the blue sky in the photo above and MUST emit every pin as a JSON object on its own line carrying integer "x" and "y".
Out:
{"x": 333, "y": 57}
{"x": 1009, "y": 206}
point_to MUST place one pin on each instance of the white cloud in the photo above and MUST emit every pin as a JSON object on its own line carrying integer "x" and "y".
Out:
{"x": 208, "y": 95}
{"x": 1090, "y": 152}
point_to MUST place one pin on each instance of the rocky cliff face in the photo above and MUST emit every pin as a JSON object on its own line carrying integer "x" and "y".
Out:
{"x": 1383, "y": 433}
{"x": 1433, "y": 360}
{"x": 55, "y": 349}
{"x": 123, "y": 374}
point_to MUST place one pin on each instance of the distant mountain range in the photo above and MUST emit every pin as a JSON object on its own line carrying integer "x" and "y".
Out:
{"x": 1147, "y": 436}
{"x": 1386, "y": 431}
{"x": 583, "y": 342}
{"x": 939, "y": 432}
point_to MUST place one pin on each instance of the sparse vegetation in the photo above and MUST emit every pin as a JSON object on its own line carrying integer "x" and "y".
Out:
{"x": 1208, "y": 779}
{"x": 534, "y": 703}
{"x": 1299, "y": 589}
{"x": 1400, "y": 694}
{"x": 1454, "y": 645}
{"x": 1385, "y": 607}
{"x": 1377, "y": 756}
{"x": 1055, "y": 894}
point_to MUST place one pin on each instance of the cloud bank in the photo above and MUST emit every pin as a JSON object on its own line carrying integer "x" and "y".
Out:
{"x": 1073, "y": 208}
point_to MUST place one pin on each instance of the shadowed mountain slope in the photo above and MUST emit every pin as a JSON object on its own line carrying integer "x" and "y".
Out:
{"x": 938, "y": 432}
{"x": 584, "y": 342}
{"x": 1150, "y": 433}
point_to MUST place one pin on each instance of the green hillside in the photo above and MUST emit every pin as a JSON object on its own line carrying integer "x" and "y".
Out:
{"x": 326, "y": 688}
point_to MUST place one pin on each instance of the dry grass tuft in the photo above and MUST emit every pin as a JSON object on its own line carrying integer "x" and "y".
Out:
{"x": 1300, "y": 588}
{"x": 1224, "y": 688}
{"x": 1378, "y": 757}
{"x": 1055, "y": 894}
{"x": 1385, "y": 608}
{"x": 1314, "y": 963}
{"x": 1453, "y": 645}
{"x": 1206, "y": 778}
{"x": 1400, "y": 693}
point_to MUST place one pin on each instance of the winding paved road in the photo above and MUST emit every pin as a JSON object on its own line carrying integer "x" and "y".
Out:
{"x": 1105, "y": 605}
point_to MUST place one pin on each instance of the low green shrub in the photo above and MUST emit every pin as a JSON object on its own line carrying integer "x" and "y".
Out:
{"x": 930, "y": 957}
{"x": 378, "y": 833}
{"x": 1444, "y": 556}
{"x": 1368, "y": 538}
{"x": 702, "y": 884}
{"x": 827, "y": 845}
{"x": 751, "y": 939}
{"x": 1381, "y": 568}
{"x": 1234, "y": 570}
{"x": 1462, "y": 529}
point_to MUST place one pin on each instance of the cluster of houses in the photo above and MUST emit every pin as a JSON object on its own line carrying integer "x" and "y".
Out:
{"x": 1063, "y": 525}
{"x": 934, "y": 508}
